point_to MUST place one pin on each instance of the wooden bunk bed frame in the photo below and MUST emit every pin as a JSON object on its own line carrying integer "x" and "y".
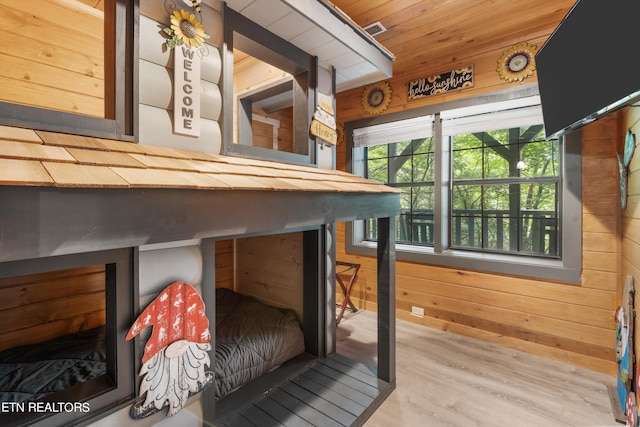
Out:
{"x": 72, "y": 209}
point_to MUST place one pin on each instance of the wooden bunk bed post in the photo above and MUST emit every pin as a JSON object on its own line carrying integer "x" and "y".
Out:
{"x": 386, "y": 300}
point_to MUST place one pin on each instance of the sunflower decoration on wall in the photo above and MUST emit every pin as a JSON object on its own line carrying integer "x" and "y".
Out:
{"x": 185, "y": 29}
{"x": 375, "y": 98}
{"x": 517, "y": 63}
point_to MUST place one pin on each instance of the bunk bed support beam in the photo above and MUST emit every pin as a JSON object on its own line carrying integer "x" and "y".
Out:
{"x": 386, "y": 300}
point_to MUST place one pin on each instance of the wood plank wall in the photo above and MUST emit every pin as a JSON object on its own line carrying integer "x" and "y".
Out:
{"x": 631, "y": 215}
{"x": 269, "y": 268}
{"x": 39, "y": 307}
{"x": 52, "y": 55}
{"x": 263, "y": 131}
{"x": 568, "y": 322}
{"x": 224, "y": 264}
{"x": 250, "y": 74}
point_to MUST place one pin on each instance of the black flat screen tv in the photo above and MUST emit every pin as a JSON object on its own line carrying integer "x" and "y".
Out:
{"x": 590, "y": 65}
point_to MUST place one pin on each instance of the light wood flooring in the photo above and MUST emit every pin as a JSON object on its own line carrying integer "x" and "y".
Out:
{"x": 445, "y": 379}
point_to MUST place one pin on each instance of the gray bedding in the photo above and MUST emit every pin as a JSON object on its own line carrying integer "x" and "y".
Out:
{"x": 33, "y": 371}
{"x": 251, "y": 339}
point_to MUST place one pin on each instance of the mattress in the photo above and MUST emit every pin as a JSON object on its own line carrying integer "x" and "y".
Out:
{"x": 33, "y": 371}
{"x": 252, "y": 338}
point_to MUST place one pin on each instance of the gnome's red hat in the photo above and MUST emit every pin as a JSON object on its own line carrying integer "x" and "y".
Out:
{"x": 176, "y": 314}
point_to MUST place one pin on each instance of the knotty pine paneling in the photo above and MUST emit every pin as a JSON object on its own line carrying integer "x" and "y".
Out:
{"x": 568, "y": 322}
{"x": 269, "y": 268}
{"x": 263, "y": 133}
{"x": 224, "y": 264}
{"x": 40, "y": 307}
{"x": 49, "y": 63}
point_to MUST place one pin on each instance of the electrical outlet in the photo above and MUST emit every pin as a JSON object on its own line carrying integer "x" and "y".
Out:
{"x": 417, "y": 311}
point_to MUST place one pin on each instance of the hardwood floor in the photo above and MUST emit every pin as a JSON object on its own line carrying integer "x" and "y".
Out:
{"x": 445, "y": 379}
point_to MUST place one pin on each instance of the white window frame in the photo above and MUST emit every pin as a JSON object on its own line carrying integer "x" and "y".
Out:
{"x": 566, "y": 268}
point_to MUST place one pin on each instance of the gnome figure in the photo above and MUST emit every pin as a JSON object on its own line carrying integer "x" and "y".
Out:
{"x": 173, "y": 364}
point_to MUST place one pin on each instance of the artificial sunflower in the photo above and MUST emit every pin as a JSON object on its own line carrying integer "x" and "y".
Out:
{"x": 185, "y": 30}
{"x": 375, "y": 98}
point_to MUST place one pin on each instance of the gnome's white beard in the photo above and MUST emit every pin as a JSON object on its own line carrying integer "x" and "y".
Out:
{"x": 171, "y": 380}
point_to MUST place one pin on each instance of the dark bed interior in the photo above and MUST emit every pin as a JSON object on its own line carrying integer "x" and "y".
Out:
{"x": 52, "y": 333}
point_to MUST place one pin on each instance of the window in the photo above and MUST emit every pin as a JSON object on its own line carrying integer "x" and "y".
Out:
{"x": 272, "y": 95}
{"x": 481, "y": 187}
{"x": 65, "y": 68}
{"x": 409, "y": 165}
{"x": 504, "y": 181}
{"x": 64, "y": 358}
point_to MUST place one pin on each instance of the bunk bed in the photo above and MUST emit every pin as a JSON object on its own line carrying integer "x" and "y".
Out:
{"x": 69, "y": 215}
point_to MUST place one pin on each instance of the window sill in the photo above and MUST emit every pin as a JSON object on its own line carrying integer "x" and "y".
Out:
{"x": 515, "y": 265}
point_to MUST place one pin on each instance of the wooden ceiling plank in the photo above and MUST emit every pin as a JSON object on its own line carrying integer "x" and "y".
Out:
{"x": 424, "y": 32}
{"x": 388, "y": 12}
{"x": 477, "y": 24}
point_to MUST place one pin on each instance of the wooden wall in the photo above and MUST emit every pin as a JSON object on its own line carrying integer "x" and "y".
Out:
{"x": 274, "y": 131}
{"x": 40, "y": 307}
{"x": 52, "y": 55}
{"x": 269, "y": 268}
{"x": 568, "y": 322}
{"x": 224, "y": 264}
{"x": 250, "y": 74}
{"x": 631, "y": 216}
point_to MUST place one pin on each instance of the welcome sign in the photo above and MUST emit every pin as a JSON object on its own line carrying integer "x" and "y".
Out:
{"x": 186, "y": 94}
{"x": 457, "y": 79}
